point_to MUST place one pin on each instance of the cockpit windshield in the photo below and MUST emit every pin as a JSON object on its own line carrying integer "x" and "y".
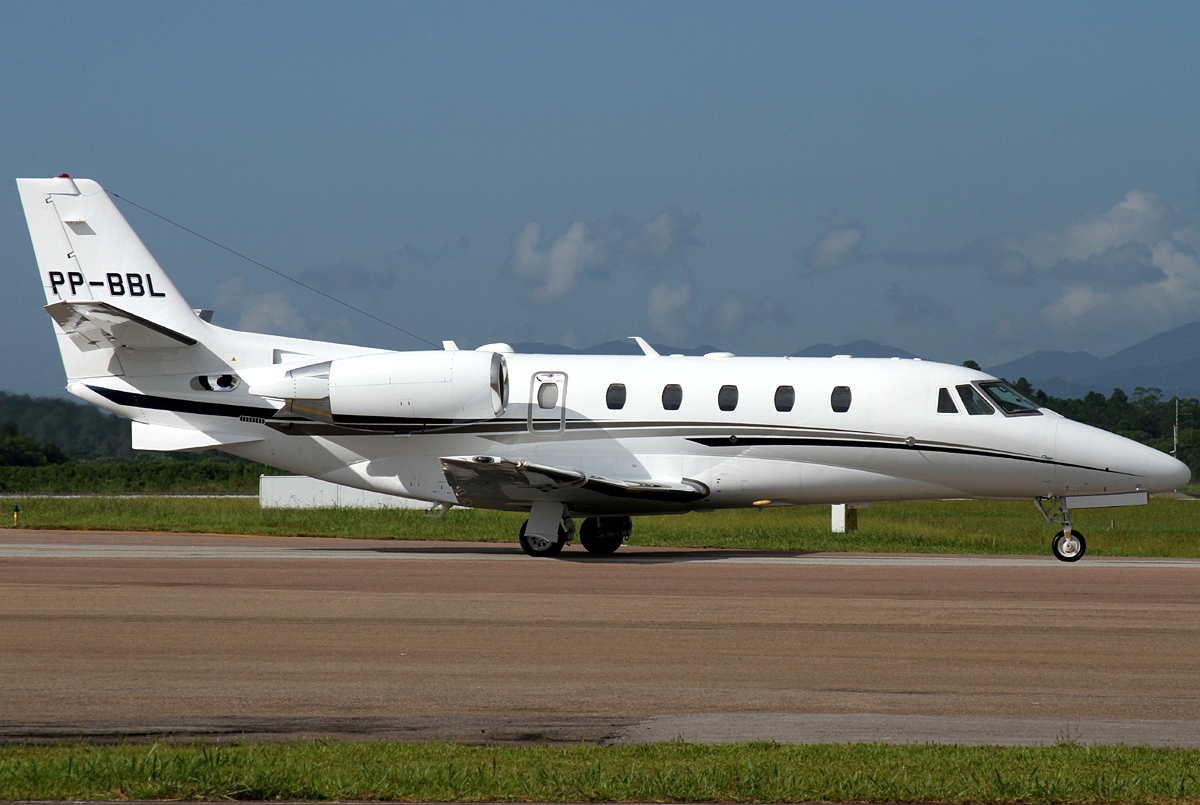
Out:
{"x": 1010, "y": 401}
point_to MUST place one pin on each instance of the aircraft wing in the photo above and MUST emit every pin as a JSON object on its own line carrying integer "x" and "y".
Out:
{"x": 491, "y": 478}
{"x": 99, "y": 325}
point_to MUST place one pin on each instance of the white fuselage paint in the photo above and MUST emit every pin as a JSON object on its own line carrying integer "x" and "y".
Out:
{"x": 890, "y": 445}
{"x": 132, "y": 344}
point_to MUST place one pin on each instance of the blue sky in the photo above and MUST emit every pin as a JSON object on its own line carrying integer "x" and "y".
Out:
{"x": 961, "y": 180}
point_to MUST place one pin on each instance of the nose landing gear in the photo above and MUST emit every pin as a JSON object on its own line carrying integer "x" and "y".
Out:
{"x": 1068, "y": 544}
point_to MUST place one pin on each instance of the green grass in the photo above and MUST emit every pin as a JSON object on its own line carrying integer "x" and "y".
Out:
{"x": 151, "y": 475}
{"x": 1164, "y": 528}
{"x": 662, "y": 773}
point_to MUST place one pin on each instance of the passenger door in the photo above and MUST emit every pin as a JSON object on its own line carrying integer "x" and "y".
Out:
{"x": 547, "y": 403}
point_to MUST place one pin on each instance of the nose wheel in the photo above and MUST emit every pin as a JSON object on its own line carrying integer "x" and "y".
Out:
{"x": 1068, "y": 546}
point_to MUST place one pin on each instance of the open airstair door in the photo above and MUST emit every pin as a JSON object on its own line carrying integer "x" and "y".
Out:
{"x": 99, "y": 325}
{"x": 513, "y": 483}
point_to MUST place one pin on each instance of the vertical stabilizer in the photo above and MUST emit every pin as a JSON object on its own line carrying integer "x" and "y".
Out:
{"x": 90, "y": 260}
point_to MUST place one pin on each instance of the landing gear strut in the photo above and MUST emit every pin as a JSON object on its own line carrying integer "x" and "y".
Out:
{"x": 1068, "y": 544}
{"x": 603, "y": 535}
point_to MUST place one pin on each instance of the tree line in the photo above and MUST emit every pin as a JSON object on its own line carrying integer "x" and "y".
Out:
{"x": 50, "y": 445}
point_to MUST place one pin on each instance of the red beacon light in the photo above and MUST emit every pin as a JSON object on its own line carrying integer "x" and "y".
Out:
{"x": 64, "y": 176}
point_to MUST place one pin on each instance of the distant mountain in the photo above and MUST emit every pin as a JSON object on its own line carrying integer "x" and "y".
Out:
{"x": 1050, "y": 363}
{"x": 1169, "y": 361}
{"x": 607, "y": 348}
{"x": 858, "y": 349}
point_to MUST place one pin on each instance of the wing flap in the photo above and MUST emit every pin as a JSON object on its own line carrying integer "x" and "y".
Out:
{"x": 491, "y": 477}
{"x": 99, "y": 325}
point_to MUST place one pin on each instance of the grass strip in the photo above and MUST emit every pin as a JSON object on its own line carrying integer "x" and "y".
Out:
{"x": 664, "y": 773}
{"x": 1164, "y": 528}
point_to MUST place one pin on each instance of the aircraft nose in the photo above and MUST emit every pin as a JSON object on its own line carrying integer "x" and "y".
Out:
{"x": 1165, "y": 472}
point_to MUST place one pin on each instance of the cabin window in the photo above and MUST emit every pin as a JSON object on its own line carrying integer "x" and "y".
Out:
{"x": 672, "y": 396}
{"x": 1011, "y": 401}
{"x": 785, "y": 398}
{"x": 615, "y": 396}
{"x": 946, "y": 402}
{"x": 547, "y": 395}
{"x": 840, "y": 399}
{"x": 973, "y": 401}
{"x": 727, "y": 398}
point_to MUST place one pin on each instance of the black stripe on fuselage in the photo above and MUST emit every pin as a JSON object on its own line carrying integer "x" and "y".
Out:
{"x": 803, "y": 441}
{"x": 365, "y": 426}
{"x": 135, "y": 400}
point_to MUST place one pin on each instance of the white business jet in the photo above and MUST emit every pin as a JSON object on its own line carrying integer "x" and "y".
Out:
{"x": 563, "y": 437}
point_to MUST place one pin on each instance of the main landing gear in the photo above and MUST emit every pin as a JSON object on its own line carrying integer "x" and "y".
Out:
{"x": 598, "y": 535}
{"x": 540, "y": 546}
{"x": 603, "y": 535}
{"x": 1068, "y": 544}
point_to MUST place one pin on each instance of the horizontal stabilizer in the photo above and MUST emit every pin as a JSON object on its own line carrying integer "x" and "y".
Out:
{"x": 487, "y": 477}
{"x": 99, "y": 325}
{"x": 166, "y": 437}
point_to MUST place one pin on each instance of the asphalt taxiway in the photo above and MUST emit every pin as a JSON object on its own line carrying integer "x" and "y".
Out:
{"x": 164, "y": 635}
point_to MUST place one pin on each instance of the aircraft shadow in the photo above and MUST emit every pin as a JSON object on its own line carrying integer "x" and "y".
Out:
{"x": 640, "y": 556}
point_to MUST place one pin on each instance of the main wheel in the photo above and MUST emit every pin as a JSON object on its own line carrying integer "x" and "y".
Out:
{"x": 1068, "y": 546}
{"x": 540, "y": 546}
{"x": 603, "y": 535}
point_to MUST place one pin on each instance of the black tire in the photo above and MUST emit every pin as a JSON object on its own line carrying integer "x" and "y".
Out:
{"x": 1068, "y": 547}
{"x": 602, "y": 536}
{"x": 535, "y": 546}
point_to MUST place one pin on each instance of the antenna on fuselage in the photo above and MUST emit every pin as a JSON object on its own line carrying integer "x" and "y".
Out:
{"x": 646, "y": 348}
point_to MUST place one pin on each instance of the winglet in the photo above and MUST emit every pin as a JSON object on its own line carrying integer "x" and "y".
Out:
{"x": 646, "y": 348}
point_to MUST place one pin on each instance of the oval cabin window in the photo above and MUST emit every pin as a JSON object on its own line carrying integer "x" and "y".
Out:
{"x": 727, "y": 398}
{"x": 672, "y": 397}
{"x": 615, "y": 396}
{"x": 547, "y": 395}
{"x": 840, "y": 399}
{"x": 785, "y": 398}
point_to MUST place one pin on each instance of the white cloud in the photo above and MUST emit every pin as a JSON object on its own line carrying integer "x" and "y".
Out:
{"x": 834, "y": 248}
{"x": 1134, "y": 267}
{"x": 556, "y": 267}
{"x": 1140, "y": 217}
{"x": 664, "y": 306}
{"x": 1152, "y": 307}
{"x": 729, "y": 315}
{"x": 270, "y": 312}
{"x": 916, "y": 306}
{"x": 664, "y": 240}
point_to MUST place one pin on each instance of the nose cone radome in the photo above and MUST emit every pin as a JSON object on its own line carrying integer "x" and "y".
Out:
{"x": 1165, "y": 472}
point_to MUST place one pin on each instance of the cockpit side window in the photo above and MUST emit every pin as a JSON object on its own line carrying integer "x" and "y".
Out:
{"x": 1011, "y": 401}
{"x": 946, "y": 402}
{"x": 973, "y": 401}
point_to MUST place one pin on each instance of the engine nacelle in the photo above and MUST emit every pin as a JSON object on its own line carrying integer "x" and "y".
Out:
{"x": 446, "y": 385}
